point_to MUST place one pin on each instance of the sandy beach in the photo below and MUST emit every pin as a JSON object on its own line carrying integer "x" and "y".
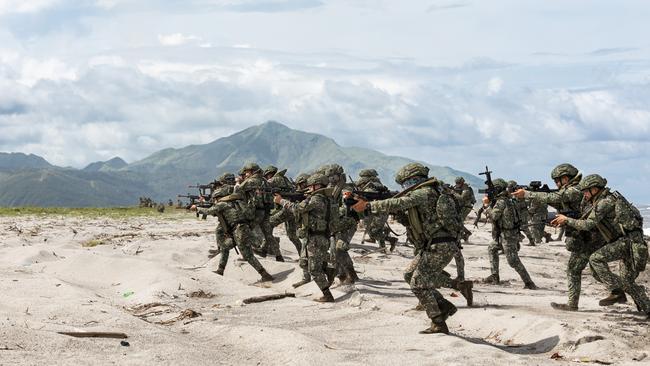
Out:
{"x": 149, "y": 277}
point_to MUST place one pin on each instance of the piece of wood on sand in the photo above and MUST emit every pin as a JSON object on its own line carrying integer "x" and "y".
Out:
{"x": 115, "y": 335}
{"x": 256, "y": 299}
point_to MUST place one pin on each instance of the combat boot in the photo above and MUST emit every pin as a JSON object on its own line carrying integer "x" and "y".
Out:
{"x": 492, "y": 279}
{"x": 530, "y": 285}
{"x": 547, "y": 237}
{"x": 304, "y": 281}
{"x": 266, "y": 277}
{"x": 279, "y": 258}
{"x": 220, "y": 271}
{"x": 435, "y": 328}
{"x": 331, "y": 275}
{"x": 260, "y": 252}
{"x": 393, "y": 243}
{"x": 447, "y": 309}
{"x": 465, "y": 288}
{"x": 564, "y": 307}
{"x": 617, "y": 296}
{"x": 353, "y": 275}
{"x": 327, "y": 296}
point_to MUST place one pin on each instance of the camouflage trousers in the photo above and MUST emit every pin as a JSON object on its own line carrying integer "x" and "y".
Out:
{"x": 525, "y": 226}
{"x": 303, "y": 262}
{"x": 342, "y": 260}
{"x": 510, "y": 242}
{"x": 577, "y": 263}
{"x": 376, "y": 228}
{"x": 537, "y": 225}
{"x": 317, "y": 246}
{"x": 242, "y": 238}
{"x": 460, "y": 263}
{"x": 619, "y": 250}
{"x": 425, "y": 274}
{"x": 271, "y": 245}
{"x": 289, "y": 219}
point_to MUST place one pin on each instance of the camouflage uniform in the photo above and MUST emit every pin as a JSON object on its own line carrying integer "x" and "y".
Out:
{"x": 282, "y": 215}
{"x": 235, "y": 216}
{"x": 432, "y": 224}
{"x": 301, "y": 183}
{"x": 568, "y": 199}
{"x": 346, "y": 226}
{"x": 253, "y": 189}
{"x": 505, "y": 231}
{"x": 538, "y": 212}
{"x": 522, "y": 211}
{"x": 465, "y": 196}
{"x": 619, "y": 225}
{"x": 375, "y": 224}
{"x": 318, "y": 214}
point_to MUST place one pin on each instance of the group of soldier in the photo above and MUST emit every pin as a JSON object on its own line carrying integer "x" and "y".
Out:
{"x": 322, "y": 210}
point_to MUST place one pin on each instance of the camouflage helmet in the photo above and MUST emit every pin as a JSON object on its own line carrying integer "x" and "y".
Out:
{"x": 331, "y": 170}
{"x": 500, "y": 184}
{"x": 460, "y": 180}
{"x": 270, "y": 170}
{"x": 302, "y": 179}
{"x": 317, "y": 178}
{"x": 253, "y": 167}
{"x": 227, "y": 178}
{"x": 562, "y": 170}
{"x": 411, "y": 170}
{"x": 591, "y": 181}
{"x": 368, "y": 173}
{"x": 512, "y": 183}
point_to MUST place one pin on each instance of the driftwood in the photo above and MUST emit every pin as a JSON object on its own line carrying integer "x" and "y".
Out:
{"x": 256, "y": 299}
{"x": 95, "y": 334}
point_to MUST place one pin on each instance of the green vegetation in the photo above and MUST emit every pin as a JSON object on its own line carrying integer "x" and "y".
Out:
{"x": 88, "y": 212}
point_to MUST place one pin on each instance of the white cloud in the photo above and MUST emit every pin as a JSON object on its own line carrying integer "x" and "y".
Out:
{"x": 176, "y": 39}
{"x": 494, "y": 86}
{"x": 25, "y": 6}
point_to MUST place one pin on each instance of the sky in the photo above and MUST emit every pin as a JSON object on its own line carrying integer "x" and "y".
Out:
{"x": 518, "y": 85}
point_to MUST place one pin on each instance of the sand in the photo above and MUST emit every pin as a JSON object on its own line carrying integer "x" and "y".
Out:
{"x": 140, "y": 277}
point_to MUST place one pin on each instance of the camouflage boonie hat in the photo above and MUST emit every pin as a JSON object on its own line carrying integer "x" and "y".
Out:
{"x": 368, "y": 173}
{"x": 562, "y": 170}
{"x": 460, "y": 180}
{"x": 253, "y": 167}
{"x": 270, "y": 170}
{"x": 591, "y": 181}
{"x": 302, "y": 179}
{"x": 227, "y": 178}
{"x": 500, "y": 184}
{"x": 317, "y": 178}
{"x": 411, "y": 170}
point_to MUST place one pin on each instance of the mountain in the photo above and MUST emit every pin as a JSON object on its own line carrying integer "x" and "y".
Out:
{"x": 102, "y": 166}
{"x": 19, "y": 161}
{"x": 269, "y": 143}
{"x": 30, "y": 180}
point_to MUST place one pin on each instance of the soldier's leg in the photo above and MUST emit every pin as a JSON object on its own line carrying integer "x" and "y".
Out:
{"x": 375, "y": 229}
{"x": 271, "y": 244}
{"x": 428, "y": 276}
{"x": 317, "y": 247}
{"x": 511, "y": 252}
{"x": 460, "y": 264}
{"x": 493, "y": 254}
{"x": 227, "y": 245}
{"x": 599, "y": 264}
{"x": 292, "y": 232}
{"x": 577, "y": 263}
{"x": 243, "y": 239}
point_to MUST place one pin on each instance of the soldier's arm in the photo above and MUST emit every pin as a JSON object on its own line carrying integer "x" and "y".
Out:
{"x": 496, "y": 212}
{"x": 556, "y": 198}
{"x": 390, "y": 205}
{"x": 447, "y": 213}
{"x": 600, "y": 211}
{"x": 214, "y": 209}
{"x": 466, "y": 195}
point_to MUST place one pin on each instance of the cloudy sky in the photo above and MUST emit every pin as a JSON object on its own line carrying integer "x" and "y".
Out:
{"x": 518, "y": 85}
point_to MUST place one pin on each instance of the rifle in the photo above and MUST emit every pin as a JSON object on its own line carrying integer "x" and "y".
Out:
{"x": 198, "y": 201}
{"x": 478, "y": 215}
{"x": 293, "y": 196}
{"x": 490, "y": 191}
{"x": 536, "y": 186}
{"x": 351, "y": 199}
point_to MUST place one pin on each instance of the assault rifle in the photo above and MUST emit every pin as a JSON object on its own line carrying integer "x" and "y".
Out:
{"x": 201, "y": 201}
{"x": 293, "y": 196}
{"x": 490, "y": 190}
{"x": 536, "y": 186}
{"x": 353, "y": 197}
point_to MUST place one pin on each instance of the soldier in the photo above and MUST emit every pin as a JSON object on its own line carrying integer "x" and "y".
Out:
{"x": 432, "y": 226}
{"x": 465, "y": 197}
{"x": 522, "y": 211}
{"x": 538, "y": 213}
{"x": 277, "y": 180}
{"x": 376, "y": 225}
{"x": 612, "y": 219}
{"x": 225, "y": 188}
{"x": 505, "y": 231}
{"x": 301, "y": 184}
{"x": 235, "y": 216}
{"x": 347, "y": 224}
{"x": 568, "y": 201}
{"x": 254, "y": 189}
{"x": 317, "y": 216}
